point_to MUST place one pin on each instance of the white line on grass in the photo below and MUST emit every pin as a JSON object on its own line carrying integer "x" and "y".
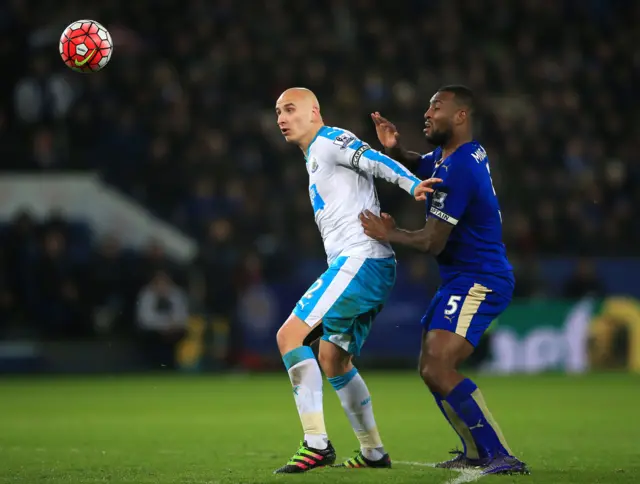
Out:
{"x": 465, "y": 475}
{"x": 416, "y": 464}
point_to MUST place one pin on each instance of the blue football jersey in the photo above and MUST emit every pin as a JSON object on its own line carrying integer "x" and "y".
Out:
{"x": 466, "y": 199}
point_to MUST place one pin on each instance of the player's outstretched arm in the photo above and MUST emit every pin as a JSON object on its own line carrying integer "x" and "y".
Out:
{"x": 432, "y": 238}
{"x": 390, "y": 138}
{"x": 363, "y": 157}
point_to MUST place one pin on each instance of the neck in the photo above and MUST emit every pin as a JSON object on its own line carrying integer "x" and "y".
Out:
{"x": 308, "y": 138}
{"x": 455, "y": 143}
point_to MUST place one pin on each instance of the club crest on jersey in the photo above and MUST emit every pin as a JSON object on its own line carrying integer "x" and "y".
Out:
{"x": 344, "y": 140}
{"x": 313, "y": 165}
{"x": 437, "y": 200}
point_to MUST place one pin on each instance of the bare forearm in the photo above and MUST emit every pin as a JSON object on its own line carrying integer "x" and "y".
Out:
{"x": 412, "y": 238}
{"x": 408, "y": 158}
{"x": 431, "y": 239}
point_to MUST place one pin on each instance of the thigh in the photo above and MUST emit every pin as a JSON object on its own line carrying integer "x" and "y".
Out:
{"x": 325, "y": 292}
{"x": 294, "y": 333}
{"x": 347, "y": 322}
{"x": 428, "y": 315}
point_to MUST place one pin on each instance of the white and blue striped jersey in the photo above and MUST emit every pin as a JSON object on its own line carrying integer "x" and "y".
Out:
{"x": 341, "y": 170}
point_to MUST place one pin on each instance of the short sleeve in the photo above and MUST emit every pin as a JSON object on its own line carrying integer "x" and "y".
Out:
{"x": 453, "y": 195}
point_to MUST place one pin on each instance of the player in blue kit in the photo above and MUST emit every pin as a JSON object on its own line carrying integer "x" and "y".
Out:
{"x": 463, "y": 232}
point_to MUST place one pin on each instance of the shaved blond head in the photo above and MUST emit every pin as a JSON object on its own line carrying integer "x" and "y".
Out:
{"x": 300, "y": 96}
{"x": 299, "y": 116}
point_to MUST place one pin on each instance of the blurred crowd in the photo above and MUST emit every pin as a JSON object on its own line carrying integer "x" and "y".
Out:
{"x": 59, "y": 280}
{"x": 182, "y": 119}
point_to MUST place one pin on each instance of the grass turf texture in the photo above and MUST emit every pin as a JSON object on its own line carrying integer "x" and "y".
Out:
{"x": 238, "y": 429}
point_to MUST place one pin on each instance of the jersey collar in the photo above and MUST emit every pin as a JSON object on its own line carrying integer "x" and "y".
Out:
{"x": 322, "y": 128}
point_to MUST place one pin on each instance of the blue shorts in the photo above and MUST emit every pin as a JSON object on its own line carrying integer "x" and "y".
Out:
{"x": 467, "y": 305}
{"x": 346, "y": 298}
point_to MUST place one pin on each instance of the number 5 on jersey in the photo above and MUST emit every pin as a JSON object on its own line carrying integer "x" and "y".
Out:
{"x": 452, "y": 306}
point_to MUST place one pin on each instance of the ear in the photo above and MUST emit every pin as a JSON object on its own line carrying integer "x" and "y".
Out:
{"x": 315, "y": 113}
{"x": 461, "y": 116}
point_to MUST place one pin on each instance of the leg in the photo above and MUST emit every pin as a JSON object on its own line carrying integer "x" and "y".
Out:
{"x": 468, "y": 447}
{"x": 356, "y": 402}
{"x": 346, "y": 327}
{"x": 305, "y": 376}
{"x": 306, "y": 380}
{"x": 349, "y": 288}
{"x": 469, "y": 452}
{"x": 453, "y": 332}
{"x": 438, "y": 364}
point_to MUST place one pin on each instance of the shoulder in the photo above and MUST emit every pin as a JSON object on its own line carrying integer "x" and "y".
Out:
{"x": 342, "y": 145}
{"x": 465, "y": 166}
{"x": 342, "y": 138}
{"x": 471, "y": 154}
{"x": 432, "y": 156}
{"x": 427, "y": 162}
{"x": 468, "y": 161}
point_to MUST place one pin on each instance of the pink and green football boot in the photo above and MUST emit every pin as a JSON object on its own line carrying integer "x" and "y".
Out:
{"x": 361, "y": 461}
{"x": 308, "y": 458}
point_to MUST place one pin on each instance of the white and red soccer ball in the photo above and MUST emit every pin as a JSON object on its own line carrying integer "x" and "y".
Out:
{"x": 86, "y": 46}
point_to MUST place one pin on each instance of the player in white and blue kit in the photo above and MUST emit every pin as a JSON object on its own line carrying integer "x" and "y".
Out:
{"x": 343, "y": 301}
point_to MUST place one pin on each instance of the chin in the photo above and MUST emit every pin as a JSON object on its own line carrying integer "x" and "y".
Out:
{"x": 436, "y": 139}
{"x": 289, "y": 139}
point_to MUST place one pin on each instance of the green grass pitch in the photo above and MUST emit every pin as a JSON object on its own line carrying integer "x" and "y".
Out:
{"x": 238, "y": 429}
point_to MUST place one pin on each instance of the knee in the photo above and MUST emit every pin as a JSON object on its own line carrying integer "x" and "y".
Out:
{"x": 285, "y": 340}
{"x": 291, "y": 334}
{"x": 433, "y": 371}
{"x": 325, "y": 361}
{"x": 428, "y": 372}
{"x": 333, "y": 360}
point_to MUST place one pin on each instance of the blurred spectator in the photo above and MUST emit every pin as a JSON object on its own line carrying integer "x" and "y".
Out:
{"x": 8, "y": 306}
{"x": 62, "y": 308}
{"x": 109, "y": 283}
{"x": 529, "y": 283}
{"x": 154, "y": 259}
{"x": 218, "y": 260}
{"x": 584, "y": 282}
{"x": 20, "y": 248}
{"x": 161, "y": 319}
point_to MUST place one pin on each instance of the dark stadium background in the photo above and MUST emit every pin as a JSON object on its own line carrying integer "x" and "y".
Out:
{"x": 180, "y": 130}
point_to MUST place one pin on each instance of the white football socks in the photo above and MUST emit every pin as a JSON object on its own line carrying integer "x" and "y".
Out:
{"x": 356, "y": 402}
{"x": 306, "y": 379}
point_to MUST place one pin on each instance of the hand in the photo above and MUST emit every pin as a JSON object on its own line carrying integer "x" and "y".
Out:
{"x": 376, "y": 227}
{"x": 386, "y": 131}
{"x": 424, "y": 187}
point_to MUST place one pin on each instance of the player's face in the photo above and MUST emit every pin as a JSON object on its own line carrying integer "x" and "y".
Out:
{"x": 438, "y": 126}
{"x": 294, "y": 120}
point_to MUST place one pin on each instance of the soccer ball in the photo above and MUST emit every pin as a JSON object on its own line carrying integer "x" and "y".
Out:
{"x": 86, "y": 46}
